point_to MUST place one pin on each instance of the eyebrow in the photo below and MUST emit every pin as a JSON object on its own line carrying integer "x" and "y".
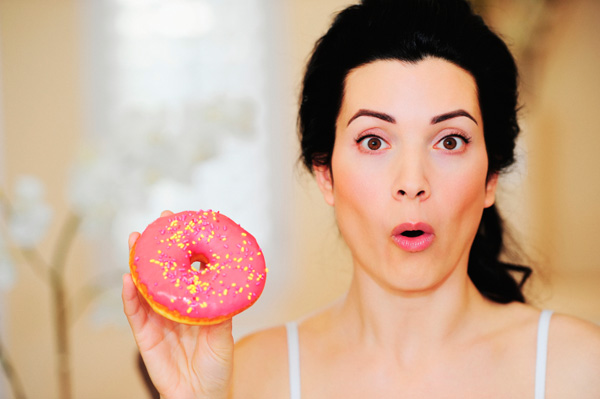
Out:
{"x": 452, "y": 114}
{"x": 391, "y": 119}
{"x": 374, "y": 114}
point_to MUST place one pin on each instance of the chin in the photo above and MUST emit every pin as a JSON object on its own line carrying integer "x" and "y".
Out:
{"x": 414, "y": 287}
{"x": 411, "y": 282}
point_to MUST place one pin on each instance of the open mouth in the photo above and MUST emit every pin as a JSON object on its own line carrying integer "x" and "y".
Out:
{"x": 413, "y": 237}
{"x": 412, "y": 233}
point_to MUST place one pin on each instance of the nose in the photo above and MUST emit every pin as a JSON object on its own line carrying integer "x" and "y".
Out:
{"x": 411, "y": 180}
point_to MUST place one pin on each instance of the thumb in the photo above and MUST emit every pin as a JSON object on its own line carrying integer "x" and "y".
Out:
{"x": 217, "y": 363}
{"x": 219, "y": 338}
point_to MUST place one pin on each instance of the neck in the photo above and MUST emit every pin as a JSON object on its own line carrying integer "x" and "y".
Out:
{"x": 413, "y": 322}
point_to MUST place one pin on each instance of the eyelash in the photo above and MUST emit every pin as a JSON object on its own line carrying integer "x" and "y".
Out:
{"x": 361, "y": 139}
{"x": 463, "y": 137}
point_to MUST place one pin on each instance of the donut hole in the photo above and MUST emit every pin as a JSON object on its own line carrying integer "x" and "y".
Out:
{"x": 198, "y": 262}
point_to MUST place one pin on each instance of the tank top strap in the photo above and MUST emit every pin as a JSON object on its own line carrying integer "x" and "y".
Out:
{"x": 542, "y": 354}
{"x": 540, "y": 361}
{"x": 293, "y": 359}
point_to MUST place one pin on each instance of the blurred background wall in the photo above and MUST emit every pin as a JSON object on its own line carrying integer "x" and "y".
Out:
{"x": 46, "y": 118}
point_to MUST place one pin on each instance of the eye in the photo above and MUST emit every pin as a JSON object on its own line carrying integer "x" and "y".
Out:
{"x": 453, "y": 142}
{"x": 372, "y": 143}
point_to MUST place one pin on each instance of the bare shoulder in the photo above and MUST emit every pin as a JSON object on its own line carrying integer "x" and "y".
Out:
{"x": 573, "y": 358}
{"x": 574, "y": 340}
{"x": 260, "y": 365}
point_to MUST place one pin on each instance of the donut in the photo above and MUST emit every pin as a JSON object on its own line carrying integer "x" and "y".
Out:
{"x": 197, "y": 267}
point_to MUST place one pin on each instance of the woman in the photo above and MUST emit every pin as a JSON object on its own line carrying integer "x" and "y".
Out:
{"x": 407, "y": 116}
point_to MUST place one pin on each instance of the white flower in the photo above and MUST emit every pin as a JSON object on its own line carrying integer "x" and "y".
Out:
{"x": 7, "y": 270}
{"x": 118, "y": 173}
{"x": 31, "y": 215}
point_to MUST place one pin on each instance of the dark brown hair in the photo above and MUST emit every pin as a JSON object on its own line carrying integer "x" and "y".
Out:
{"x": 409, "y": 31}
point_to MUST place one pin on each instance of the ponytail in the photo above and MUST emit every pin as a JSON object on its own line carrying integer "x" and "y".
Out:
{"x": 493, "y": 278}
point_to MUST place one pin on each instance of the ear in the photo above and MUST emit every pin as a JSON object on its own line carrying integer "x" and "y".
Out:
{"x": 490, "y": 190}
{"x": 325, "y": 182}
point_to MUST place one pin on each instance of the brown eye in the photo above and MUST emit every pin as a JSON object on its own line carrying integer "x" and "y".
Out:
{"x": 453, "y": 143}
{"x": 373, "y": 143}
{"x": 450, "y": 143}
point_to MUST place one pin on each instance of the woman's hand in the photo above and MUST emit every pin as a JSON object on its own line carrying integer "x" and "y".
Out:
{"x": 183, "y": 361}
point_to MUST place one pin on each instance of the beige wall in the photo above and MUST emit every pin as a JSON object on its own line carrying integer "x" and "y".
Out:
{"x": 41, "y": 97}
{"x": 42, "y": 122}
{"x": 322, "y": 261}
{"x": 563, "y": 135}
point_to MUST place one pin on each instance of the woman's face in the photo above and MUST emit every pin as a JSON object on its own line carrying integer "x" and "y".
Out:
{"x": 408, "y": 174}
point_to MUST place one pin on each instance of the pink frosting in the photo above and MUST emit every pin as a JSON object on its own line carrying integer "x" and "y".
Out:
{"x": 232, "y": 275}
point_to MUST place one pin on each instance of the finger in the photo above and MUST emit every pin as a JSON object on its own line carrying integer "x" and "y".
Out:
{"x": 133, "y": 305}
{"x": 217, "y": 361}
{"x": 139, "y": 316}
{"x": 166, "y": 213}
{"x": 133, "y": 238}
{"x": 220, "y": 339}
{"x": 223, "y": 328}
{"x": 129, "y": 295}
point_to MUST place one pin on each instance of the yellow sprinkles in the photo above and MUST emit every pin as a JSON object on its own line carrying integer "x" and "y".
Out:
{"x": 185, "y": 237}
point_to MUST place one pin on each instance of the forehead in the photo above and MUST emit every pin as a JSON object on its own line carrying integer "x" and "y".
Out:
{"x": 410, "y": 90}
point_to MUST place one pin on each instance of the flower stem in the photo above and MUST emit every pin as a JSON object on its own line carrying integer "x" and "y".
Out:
{"x": 65, "y": 241}
{"x": 62, "y": 335}
{"x": 31, "y": 255}
{"x": 59, "y": 298}
{"x": 11, "y": 374}
{"x": 90, "y": 291}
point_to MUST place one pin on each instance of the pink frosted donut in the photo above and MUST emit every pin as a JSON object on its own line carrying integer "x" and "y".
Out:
{"x": 229, "y": 278}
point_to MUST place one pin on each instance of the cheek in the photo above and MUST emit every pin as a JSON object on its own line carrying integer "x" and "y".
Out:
{"x": 359, "y": 181}
{"x": 357, "y": 193}
{"x": 350, "y": 184}
{"x": 463, "y": 196}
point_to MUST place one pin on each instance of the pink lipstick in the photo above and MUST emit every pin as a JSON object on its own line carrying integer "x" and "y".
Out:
{"x": 413, "y": 237}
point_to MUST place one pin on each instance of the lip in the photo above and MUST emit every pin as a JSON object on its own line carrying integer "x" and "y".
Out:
{"x": 413, "y": 244}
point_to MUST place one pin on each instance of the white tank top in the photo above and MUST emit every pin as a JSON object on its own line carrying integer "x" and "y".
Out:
{"x": 540, "y": 361}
